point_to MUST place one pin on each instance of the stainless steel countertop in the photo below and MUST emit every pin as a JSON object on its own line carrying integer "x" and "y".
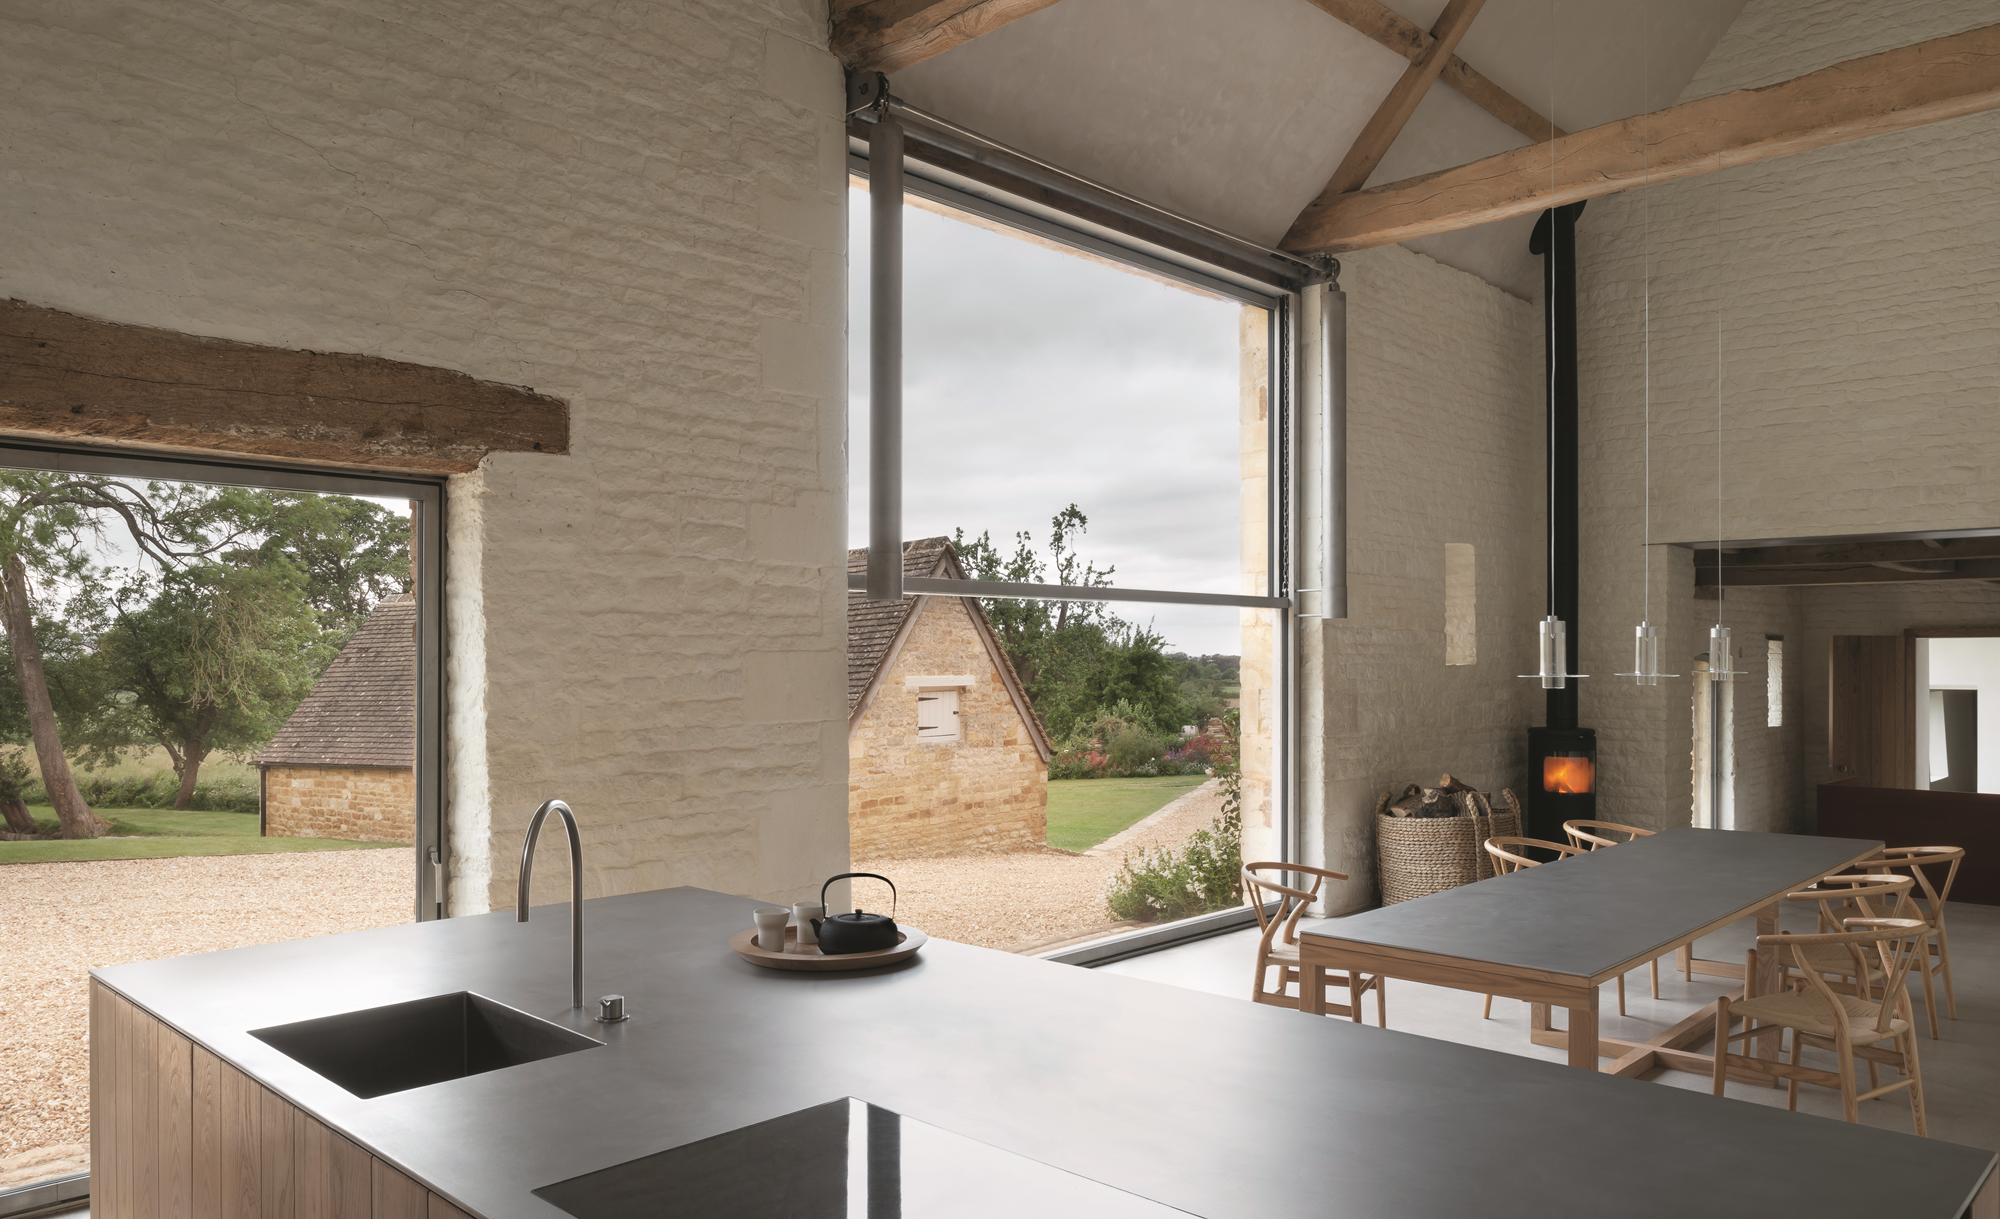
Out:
{"x": 1214, "y": 1105}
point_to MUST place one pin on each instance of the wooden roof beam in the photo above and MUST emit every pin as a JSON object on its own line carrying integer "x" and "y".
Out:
{"x": 1408, "y": 39}
{"x": 1387, "y": 122}
{"x": 1944, "y": 78}
{"x": 890, "y": 35}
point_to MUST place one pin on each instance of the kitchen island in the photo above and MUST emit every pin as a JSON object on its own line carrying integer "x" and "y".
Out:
{"x": 1214, "y": 1106}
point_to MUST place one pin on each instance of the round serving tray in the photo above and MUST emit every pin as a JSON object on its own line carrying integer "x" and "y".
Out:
{"x": 809, "y": 957}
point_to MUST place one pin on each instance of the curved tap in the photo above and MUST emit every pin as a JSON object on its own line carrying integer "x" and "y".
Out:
{"x": 575, "y": 889}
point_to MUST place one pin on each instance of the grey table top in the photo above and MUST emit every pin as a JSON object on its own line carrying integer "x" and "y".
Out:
{"x": 1589, "y": 914}
{"x": 1217, "y": 1106}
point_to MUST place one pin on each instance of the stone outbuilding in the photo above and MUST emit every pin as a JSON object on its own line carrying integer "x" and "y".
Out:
{"x": 945, "y": 756}
{"x": 344, "y": 764}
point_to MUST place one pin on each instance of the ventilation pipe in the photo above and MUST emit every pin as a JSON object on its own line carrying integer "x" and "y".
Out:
{"x": 885, "y": 359}
{"x": 1333, "y": 444}
{"x": 1554, "y": 240}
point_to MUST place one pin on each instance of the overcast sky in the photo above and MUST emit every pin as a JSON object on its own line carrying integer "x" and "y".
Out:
{"x": 1034, "y": 379}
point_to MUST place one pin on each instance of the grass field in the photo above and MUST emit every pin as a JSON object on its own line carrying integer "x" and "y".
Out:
{"x": 149, "y": 833}
{"x": 1084, "y": 812}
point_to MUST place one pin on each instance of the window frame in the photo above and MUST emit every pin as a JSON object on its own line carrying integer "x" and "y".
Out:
{"x": 1282, "y": 303}
{"x": 431, "y": 854}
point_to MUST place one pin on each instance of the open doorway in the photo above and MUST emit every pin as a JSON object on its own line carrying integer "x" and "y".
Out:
{"x": 1957, "y": 682}
{"x": 217, "y": 707}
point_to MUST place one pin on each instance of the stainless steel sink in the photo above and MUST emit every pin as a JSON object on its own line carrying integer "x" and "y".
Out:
{"x": 380, "y": 1050}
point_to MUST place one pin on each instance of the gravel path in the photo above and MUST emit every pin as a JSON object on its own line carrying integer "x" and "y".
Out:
{"x": 65, "y": 918}
{"x": 1024, "y": 900}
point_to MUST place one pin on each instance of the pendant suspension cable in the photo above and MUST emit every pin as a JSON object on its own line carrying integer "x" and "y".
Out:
{"x": 1646, "y": 638}
{"x": 1728, "y": 661}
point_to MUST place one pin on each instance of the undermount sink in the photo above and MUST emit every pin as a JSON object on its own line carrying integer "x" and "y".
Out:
{"x": 380, "y": 1050}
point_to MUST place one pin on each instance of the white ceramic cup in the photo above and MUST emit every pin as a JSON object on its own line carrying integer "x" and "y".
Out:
{"x": 803, "y": 914}
{"x": 771, "y": 922}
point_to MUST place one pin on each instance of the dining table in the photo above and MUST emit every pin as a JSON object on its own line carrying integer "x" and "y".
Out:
{"x": 1551, "y": 935}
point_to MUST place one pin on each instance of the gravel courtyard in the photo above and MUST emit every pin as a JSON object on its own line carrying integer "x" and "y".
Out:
{"x": 1028, "y": 900}
{"x": 70, "y": 917}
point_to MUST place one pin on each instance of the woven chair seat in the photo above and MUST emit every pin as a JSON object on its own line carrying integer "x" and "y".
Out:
{"x": 1808, "y": 1012}
{"x": 1288, "y": 955}
{"x": 1833, "y": 959}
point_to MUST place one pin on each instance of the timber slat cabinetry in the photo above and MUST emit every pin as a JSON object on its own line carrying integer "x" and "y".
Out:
{"x": 176, "y": 1133}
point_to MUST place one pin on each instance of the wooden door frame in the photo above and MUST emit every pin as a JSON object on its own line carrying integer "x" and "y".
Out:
{"x": 1910, "y": 637}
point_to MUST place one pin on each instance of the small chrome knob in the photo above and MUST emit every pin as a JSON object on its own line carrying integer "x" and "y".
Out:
{"x": 611, "y": 1009}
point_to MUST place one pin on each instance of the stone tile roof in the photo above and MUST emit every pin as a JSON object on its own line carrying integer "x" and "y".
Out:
{"x": 872, "y": 625}
{"x": 363, "y": 709}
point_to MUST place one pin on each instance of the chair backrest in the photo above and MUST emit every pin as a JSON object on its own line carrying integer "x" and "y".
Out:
{"x": 1896, "y": 940}
{"x": 1916, "y": 859}
{"x": 1864, "y": 891}
{"x": 1290, "y": 903}
{"x": 1509, "y": 854}
{"x": 1590, "y": 835}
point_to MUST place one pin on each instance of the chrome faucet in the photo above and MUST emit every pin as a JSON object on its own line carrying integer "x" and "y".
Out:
{"x": 575, "y": 889}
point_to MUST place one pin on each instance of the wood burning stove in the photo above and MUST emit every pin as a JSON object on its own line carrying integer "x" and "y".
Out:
{"x": 1562, "y": 770}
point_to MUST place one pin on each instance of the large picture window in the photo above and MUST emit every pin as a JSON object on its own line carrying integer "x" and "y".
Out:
{"x": 1081, "y": 416}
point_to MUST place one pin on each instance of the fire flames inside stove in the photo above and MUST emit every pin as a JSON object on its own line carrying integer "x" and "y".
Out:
{"x": 1572, "y": 775}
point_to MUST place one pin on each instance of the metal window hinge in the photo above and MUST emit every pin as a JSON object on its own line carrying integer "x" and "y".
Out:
{"x": 866, "y": 91}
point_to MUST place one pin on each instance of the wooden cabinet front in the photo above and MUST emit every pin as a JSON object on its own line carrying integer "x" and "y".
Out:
{"x": 176, "y": 1133}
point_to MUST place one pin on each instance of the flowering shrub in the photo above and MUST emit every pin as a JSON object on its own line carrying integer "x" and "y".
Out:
{"x": 1162, "y": 884}
{"x": 1082, "y": 763}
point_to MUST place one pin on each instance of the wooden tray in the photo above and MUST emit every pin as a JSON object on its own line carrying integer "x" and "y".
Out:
{"x": 809, "y": 957}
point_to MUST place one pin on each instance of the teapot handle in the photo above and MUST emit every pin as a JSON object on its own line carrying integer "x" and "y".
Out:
{"x": 870, "y": 875}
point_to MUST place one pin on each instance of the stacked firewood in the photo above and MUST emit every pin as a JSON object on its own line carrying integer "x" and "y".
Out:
{"x": 1449, "y": 798}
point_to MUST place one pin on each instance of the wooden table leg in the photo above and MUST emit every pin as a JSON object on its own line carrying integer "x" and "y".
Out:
{"x": 1312, "y": 989}
{"x": 1539, "y": 1020}
{"x": 1767, "y": 979}
{"x": 1583, "y": 1033}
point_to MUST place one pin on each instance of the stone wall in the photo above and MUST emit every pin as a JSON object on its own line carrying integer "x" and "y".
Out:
{"x": 986, "y": 791}
{"x": 639, "y": 209}
{"x": 359, "y": 803}
{"x": 1259, "y": 691}
{"x": 1445, "y": 445}
{"x": 1849, "y": 292}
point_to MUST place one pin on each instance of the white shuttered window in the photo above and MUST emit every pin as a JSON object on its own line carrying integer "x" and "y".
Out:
{"x": 937, "y": 715}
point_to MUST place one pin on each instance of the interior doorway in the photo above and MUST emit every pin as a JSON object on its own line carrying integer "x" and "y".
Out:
{"x": 1956, "y": 677}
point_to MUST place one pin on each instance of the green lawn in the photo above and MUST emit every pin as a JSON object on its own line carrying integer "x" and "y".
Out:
{"x": 1084, "y": 812}
{"x": 152, "y": 833}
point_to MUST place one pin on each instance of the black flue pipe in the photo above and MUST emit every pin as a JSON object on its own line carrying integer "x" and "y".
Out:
{"x": 1554, "y": 241}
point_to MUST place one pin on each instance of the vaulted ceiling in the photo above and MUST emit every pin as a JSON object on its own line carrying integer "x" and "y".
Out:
{"x": 1238, "y": 113}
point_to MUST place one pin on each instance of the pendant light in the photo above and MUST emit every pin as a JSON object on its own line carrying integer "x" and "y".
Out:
{"x": 1552, "y": 632}
{"x": 1721, "y": 656}
{"x": 1646, "y": 637}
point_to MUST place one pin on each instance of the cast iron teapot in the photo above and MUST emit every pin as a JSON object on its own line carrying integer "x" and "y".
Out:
{"x": 841, "y": 934}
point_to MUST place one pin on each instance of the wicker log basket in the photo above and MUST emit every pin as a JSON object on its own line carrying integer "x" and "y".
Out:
{"x": 1430, "y": 839}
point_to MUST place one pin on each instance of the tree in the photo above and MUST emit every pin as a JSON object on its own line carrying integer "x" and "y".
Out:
{"x": 1075, "y": 660}
{"x": 44, "y": 520}
{"x": 353, "y": 553}
{"x": 215, "y": 655}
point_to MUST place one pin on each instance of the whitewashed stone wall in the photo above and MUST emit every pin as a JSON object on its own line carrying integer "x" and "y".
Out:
{"x": 639, "y": 209}
{"x": 1445, "y": 434}
{"x": 1851, "y": 293}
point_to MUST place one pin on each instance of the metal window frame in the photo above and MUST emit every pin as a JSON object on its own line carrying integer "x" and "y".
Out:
{"x": 1282, "y": 302}
{"x": 427, "y": 526}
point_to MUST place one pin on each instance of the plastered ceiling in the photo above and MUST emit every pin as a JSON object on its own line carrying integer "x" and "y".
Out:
{"x": 1236, "y": 112}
